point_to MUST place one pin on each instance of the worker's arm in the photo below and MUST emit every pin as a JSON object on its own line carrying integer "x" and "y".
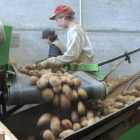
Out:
{"x": 54, "y": 51}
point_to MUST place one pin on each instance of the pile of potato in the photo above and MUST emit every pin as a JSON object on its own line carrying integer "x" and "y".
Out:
{"x": 81, "y": 117}
{"x": 62, "y": 89}
{"x": 57, "y": 86}
{"x": 122, "y": 100}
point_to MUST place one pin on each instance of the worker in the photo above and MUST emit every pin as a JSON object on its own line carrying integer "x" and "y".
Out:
{"x": 79, "y": 48}
{"x": 56, "y": 46}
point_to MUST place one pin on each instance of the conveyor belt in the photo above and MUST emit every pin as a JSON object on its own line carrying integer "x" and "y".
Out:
{"x": 22, "y": 92}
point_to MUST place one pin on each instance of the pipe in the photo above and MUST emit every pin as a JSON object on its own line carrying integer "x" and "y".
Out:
{"x": 80, "y": 2}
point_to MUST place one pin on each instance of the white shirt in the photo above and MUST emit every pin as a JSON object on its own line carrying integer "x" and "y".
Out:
{"x": 79, "y": 48}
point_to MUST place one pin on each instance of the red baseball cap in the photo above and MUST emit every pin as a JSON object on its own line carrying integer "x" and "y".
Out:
{"x": 61, "y": 9}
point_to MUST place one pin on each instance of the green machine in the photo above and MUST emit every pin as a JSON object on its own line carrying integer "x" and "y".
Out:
{"x": 21, "y": 92}
{"x": 5, "y": 39}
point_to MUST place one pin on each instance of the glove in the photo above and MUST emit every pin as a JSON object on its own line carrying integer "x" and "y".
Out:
{"x": 41, "y": 65}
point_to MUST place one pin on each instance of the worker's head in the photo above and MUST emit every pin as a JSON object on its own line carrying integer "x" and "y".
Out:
{"x": 49, "y": 36}
{"x": 62, "y": 14}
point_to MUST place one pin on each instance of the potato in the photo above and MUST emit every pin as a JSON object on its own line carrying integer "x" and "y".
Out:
{"x": 65, "y": 133}
{"x": 54, "y": 81}
{"x": 76, "y": 126}
{"x": 74, "y": 117}
{"x": 90, "y": 114}
{"x": 84, "y": 123}
{"x": 99, "y": 106}
{"x": 60, "y": 72}
{"x": 70, "y": 76}
{"x": 99, "y": 102}
{"x": 63, "y": 77}
{"x": 66, "y": 124}
{"x": 33, "y": 80}
{"x": 82, "y": 93}
{"x": 127, "y": 97}
{"x": 91, "y": 120}
{"x": 32, "y": 73}
{"x": 30, "y": 66}
{"x": 66, "y": 73}
{"x": 96, "y": 118}
{"x": 81, "y": 108}
{"x": 24, "y": 71}
{"x": 74, "y": 95}
{"x": 126, "y": 105}
{"x": 106, "y": 105}
{"x": 106, "y": 111}
{"x": 13, "y": 62}
{"x": 48, "y": 135}
{"x": 63, "y": 80}
{"x": 57, "y": 89}
{"x": 129, "y": 102}
{"x": 98, "y": 113}
{"x": 137, "y": 99}
{"x": 77, "y": 82}
{"x": 36, "y": 71}
{"x": 55, "y": 69}
{"x": 125, "y": 92}
{"x": 55, "y": 125}
{"x": 121, "y": 99}
{"x": 113, "y": 110}
{"x": 31, "y": 138}
{"x": 42, "y": 83}
{"x": 42, "y": 72}
{"x": 83, "y": 119}
{"x": 102, "y": 116}
{"x": 118, "y": 105}
{"x": 69, "y": 82}
{"x": 67, "y": 91}
{"x": 65, "y": 103}
{"x": 131, "y": 98}
{"x": 137, "y": 86}
{"x": 109, "y": 102}
{"x": 135, "y": 93}
{"x": 47, "y": 75}
{"x": 47, "y": 94}
{"x": 56, "y": 100}
{"x": 44, "y": 119}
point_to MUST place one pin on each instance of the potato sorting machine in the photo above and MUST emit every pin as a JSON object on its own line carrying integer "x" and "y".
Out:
{"x": 16, "y": 90}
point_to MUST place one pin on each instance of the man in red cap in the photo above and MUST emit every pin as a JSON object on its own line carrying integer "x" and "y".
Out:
{"x": 79, "y": 48}
{"x": 61, "y": 9}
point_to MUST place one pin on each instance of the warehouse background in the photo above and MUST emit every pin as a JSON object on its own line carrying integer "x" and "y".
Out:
{"x": 113, "y": 27}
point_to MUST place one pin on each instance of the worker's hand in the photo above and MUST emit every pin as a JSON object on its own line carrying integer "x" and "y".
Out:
{"x": 41, "y": 65}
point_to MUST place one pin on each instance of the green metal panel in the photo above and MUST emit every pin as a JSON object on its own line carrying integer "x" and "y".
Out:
{"x": 133, "y": 134}
{"x": 99, "y": 75}
{"x": 5, "y": 47}
{"x": 85, "y": 67}
{"x": 81, "y": 67}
